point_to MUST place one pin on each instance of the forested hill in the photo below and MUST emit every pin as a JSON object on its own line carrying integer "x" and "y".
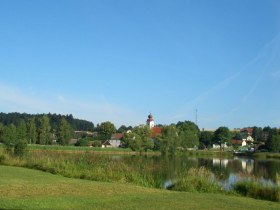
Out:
{"x": 55, "y": 119}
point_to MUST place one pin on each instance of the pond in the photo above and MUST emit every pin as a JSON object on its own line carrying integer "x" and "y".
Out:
{"x": 226, "y": 170}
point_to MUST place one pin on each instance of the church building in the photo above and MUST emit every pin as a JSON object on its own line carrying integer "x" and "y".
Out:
{"x": 150, "y": 121}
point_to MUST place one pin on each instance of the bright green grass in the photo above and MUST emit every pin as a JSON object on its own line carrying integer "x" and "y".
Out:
{"x": 22, "y": 188}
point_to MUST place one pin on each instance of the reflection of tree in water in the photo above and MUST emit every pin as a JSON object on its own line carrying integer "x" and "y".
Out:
{"x": 267, "y": 169}
{"x": 162, "y": 168}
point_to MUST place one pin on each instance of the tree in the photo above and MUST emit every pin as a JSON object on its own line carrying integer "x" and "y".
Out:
{"x": 238, "y": 136}
{"x": 9, "y": 135}
{"x": 1, "y": 132}
{"x": 64, "y": 133}
{"x": 31, "y": 131}
{"x": 84, "y": 142}
{"x": 139, "y": 139}
{"x": 133, "y": 141}
{"x": 123, "y": 129}
{"x": 188, "y": 134}
{"x": 257, "y": 134}
{"x": 273, "y": 144}
{"x": 106, "y": 129}
{"x": 206, "y": 138}
{"x": 168, "y": 140}
{"x": 22, "y": 131}
{"x": 188, "y": 125}
{"x": 45, "y": 131}
{"x": 221, "y": 136}
{"x": 145, "y": 135}
{"x": 266, "y": 133}
{"x": 20, "y": 148}
{"x": 188, "y": 139}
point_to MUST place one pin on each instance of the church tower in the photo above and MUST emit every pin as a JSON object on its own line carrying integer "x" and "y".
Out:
{"x": 150, "y": 121}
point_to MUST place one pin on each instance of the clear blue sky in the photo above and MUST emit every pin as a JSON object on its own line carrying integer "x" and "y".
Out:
{"x": 120, "y": 60}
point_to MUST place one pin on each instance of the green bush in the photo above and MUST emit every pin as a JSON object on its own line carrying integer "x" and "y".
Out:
{"x": 197, "y": 180}
{"x": 20, "y": 148}
{"x": 258, "y": 190}
{"x": 2, "y": 158}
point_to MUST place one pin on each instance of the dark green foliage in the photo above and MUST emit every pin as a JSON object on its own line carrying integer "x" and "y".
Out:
{"x": 139, "y": 139}
{"x": 106, "y": 129}
{"x": 2, "y": 158}
{"x": 273, "y": 143}
{"x": 31, "y": 131}
{"x": 188, "y": 139}
{"x": 45, "y": 135}
{"x": 9, "y": 137}
{"x": 64, "y": 133}
{"x": 188, "y": 133}
{"x": 96, "y": 143}
{"x": 197, "y": 180}
{"x": 221, "y": 135}
{"x": 169, "y": 140}
{"x": 206, "y": 138}
{"x": 84, "y": 142}
{"x": 22, "y": 131}
{"x": 123, "y": 129}
{"x": 257, "y": 134}
{"x": 20, "y": 148}
{"x": 55, "y": 119}
{"x": 257, "y": 190}
{"x": 238, "y": 136}
{"x": 132, "y": 141}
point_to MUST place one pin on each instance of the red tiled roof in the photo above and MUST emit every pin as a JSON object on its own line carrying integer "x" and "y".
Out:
{"x": 155, "y": 131}
{"x": 249, "y": 130}
{"x": 117, "y": 136}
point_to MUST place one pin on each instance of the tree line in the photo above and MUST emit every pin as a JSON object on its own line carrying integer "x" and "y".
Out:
{"x": 54, "y": 120}
{"x": 59, "y": 129}
{"x": 36, "y": 133}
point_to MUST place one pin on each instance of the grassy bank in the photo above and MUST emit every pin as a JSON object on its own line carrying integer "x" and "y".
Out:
{"x": 209, "y": 153}
{"x": 29, "y": 189}
{"x": 133, "y": 170}
{"x": 86, "y": 165}
{"x": 98, "y": 150}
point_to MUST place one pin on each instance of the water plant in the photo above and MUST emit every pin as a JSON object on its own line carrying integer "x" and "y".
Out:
{"x": 197, "y": 180}
{"x": 258, "y": 190}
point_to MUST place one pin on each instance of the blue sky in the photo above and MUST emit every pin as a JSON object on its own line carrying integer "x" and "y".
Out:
{"x": 120, "y": 60}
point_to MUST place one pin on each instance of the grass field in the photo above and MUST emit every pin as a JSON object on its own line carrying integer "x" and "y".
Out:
{"x": 22, "y": 188}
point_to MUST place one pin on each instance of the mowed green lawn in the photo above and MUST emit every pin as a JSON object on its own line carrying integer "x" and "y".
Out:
{"x": 22, "y": 188}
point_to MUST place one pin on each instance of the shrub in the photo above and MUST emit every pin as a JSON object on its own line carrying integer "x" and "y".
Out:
{"x": 197, "y": 180}
{"x": 20, "y": 148}
{"x": 258, "y": 190}
{"x": 2, "y": 158}
{"x": 84, "y": 142}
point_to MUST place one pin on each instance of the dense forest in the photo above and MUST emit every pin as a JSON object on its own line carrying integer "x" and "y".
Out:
{"x": 54, "y": 120}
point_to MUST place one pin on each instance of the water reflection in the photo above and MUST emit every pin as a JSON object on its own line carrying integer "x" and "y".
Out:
{"x": 226, "y": 170}
{"x": 220, "y": 162}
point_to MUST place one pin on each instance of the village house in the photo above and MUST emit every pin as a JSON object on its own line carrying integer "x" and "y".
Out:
{"x": 114, "y": 142}
{"x": 245, "y": 141}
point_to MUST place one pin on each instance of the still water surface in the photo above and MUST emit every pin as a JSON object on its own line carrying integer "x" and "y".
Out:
{"x": 226, "y": 171}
